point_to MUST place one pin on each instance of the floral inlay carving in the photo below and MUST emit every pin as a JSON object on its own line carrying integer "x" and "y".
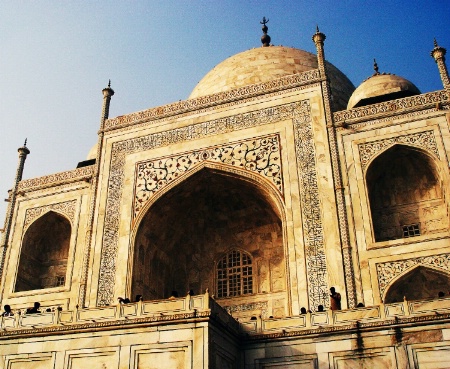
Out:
{"x": 262, "y": 305}
{"x": 67, "y": 208}
{"x": 240, "y": 93}
{"x": 261, "y": 155}
{"x": 391, "y": 107}
{"x": 78, "y": 174}
{"x": 299, "y": 112}
{"x": 425, "y": 140}
{"x": 387, "y": 272}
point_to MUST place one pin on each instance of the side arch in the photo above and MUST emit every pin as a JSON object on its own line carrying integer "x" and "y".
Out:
{"x": 406, "y": 196}
{"x": 44, "y": 253}
{"x": 418, "y": 283}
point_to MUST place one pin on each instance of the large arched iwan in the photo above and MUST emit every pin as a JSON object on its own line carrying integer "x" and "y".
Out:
{"x": 191, "y": 226}
{"x": 405, "y": 194}
{"x": 44, "y": 253}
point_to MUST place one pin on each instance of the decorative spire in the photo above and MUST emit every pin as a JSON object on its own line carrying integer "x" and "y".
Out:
{"x": 318, "y": 37}
{"x": 265, "y": 38}
{"x": 438, "y": 54}
{"x": 375, "y": 67}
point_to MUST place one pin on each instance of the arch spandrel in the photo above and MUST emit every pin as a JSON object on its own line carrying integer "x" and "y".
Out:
{"x": 418, "y": 282}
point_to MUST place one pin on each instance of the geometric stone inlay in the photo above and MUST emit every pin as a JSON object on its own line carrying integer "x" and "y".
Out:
{"x": 425, "y": 140}
{"x": 386, "y": 272}
{"x": 67, "y": 208}
{"x": 261, "y": 155}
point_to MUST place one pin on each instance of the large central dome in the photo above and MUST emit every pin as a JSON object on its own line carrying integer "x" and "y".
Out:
{"x": 267, "y": 63}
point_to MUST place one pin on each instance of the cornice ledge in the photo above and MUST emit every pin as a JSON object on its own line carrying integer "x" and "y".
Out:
{"x": 70, "y": 176}
{"x": 202, "y": 102}
{"x": 89, "y": 326}
{"x": 392, "y": 107}
{"x": 360, "y": 326}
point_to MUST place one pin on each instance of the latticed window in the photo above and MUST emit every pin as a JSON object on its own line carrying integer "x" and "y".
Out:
{"x": 234, "y": 275}
{"x": 411, "y": 230}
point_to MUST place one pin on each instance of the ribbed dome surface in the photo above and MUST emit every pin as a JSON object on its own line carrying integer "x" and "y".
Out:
{"x": 267, "y": 63}
{"x": 381, "y": 87}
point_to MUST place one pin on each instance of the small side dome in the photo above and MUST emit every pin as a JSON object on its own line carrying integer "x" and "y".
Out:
{"x": 92, "y": 153}
{"x": 381, "y": 87}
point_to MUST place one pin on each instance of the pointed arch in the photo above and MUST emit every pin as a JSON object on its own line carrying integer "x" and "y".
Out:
{"x": 210, "y": 209}
{"x": 405, "y": 193}
{"x": 44, "y": 253}
{"x": 418, "y": 283}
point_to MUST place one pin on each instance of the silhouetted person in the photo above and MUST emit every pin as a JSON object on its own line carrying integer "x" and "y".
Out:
{"x": 335, "y": 299}
{"x": 441, "y": 294}
{"x": 7, "y": 311}
{"x": 59, "y": 308}
{"x": 125, "y": 300}
{"x": 138, "y": 298}
{"x": 34, "y": 309}
{"x": 360, "y": 305}
{"x": 320, "y": 308}
{"x": 191, "y": 292}
{"x": 303, "y": 310}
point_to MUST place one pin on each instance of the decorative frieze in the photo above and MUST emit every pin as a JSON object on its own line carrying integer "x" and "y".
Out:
{"x": 425, "y": 140}
{"x": 261, "y": 305}
{"x": 180, "y": 107}
{"x": 67, "y": 208}
{"x": 391, "y": 107}
{"x": 261, "y": 155}
{"x": 79, "y": 174}
{"x": 388, "y": 271}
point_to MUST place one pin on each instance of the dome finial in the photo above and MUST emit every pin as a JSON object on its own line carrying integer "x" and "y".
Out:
{"x": 375, "y": 67}
{"x": 265, "y": 38}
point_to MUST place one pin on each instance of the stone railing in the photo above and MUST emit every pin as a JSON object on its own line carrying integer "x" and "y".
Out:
{"x": 189, "y": 307}
{"x": 202, "y": 306}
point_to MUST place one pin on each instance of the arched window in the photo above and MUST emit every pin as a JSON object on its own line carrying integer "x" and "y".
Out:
{"x": 234, "y": 275}
{"x": 44, "y": 254}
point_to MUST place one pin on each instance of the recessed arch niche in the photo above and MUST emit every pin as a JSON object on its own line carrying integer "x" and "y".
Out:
{"x": 405, "y": 194}
{"x": 418, "y": 283}
{"x": 44, "y": 253}
{"x": 187, "y": 230}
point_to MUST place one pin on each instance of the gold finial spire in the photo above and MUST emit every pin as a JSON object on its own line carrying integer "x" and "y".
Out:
{"x": 265, "y": 38}
{"x": 375, "y": 67}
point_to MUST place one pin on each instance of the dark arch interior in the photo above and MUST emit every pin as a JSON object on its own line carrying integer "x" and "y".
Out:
{"x": 43, "y": 258}
{"x": 420, "y": 283}
{"x": 405, "y": 195}
{"x": 186, "y": 232}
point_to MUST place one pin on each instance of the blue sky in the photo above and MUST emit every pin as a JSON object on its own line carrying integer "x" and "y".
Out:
{"x": 57, "y": 56}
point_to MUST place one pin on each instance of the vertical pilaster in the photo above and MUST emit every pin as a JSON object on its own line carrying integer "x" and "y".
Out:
{"x": 23, "y": 152}
{"x": 319, "y": 39}
{"x": 108, "y": 92}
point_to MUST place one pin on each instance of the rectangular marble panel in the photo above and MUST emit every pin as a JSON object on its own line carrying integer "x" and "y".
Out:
{"x": 376, "y": 358}
{"x": 435, "y": 357}
{"x": 97, "y": 314}
{"x": 343, "y": 316}
{"x": 162, "y": 356}
{"x": 429, "y": 306}
{"x": 284, "y": 323}
{"x": 45, "y": 360}
{"x": 38, "y": 319}
{"x": 92, "y": 358}
{"x": 161, "y": 306}
{"x": 394, "y": 310}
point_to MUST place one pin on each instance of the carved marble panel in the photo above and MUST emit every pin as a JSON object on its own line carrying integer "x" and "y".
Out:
{"x": 425, "y": 140}
{"x": 67, "y": 208}
{"x": 261, "y": 155}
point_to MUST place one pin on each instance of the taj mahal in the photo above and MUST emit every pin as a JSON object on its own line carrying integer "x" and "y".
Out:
{"x": 208, "y": 233}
